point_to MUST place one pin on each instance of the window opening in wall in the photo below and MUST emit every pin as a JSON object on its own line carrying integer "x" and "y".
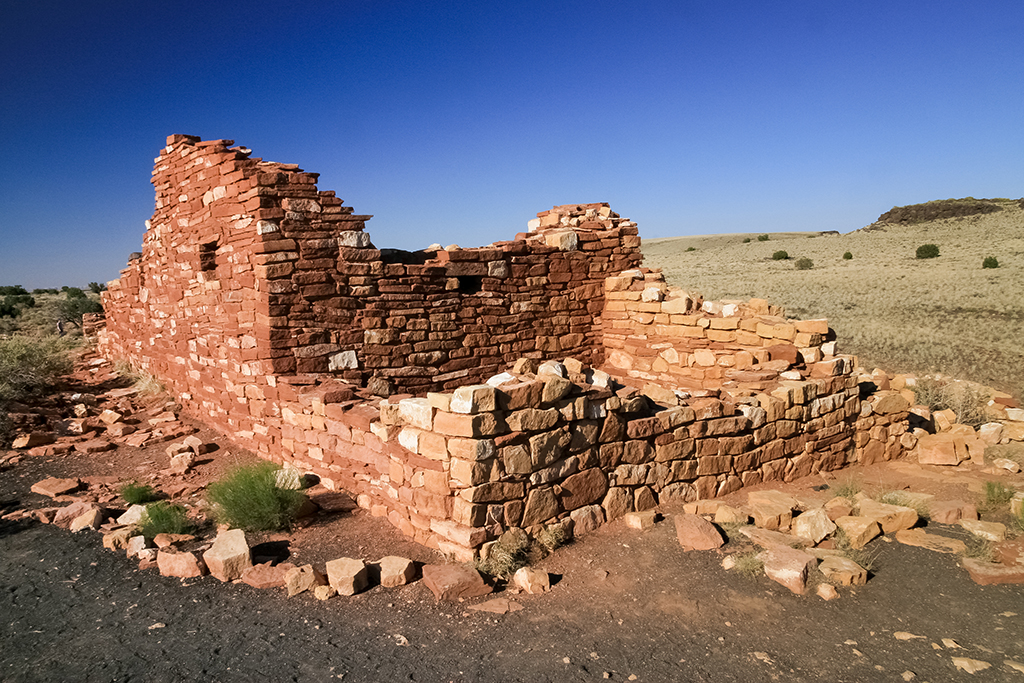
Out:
{"x": 208, "y": 257}
{"x": 470, "y": 284}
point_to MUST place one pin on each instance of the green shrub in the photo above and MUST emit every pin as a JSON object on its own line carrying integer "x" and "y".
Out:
{"x": 763, "y": 238}
{"x": 248, "y": 498}
{"x": 928, "y": 251}
{"x": 135, "y": 493}
{"x": 691, "y": 249}
{"x": 990, "y": 262}
{"x": 76, "y": 304}
{"x": 804, "y": 264}
{"x": 847, "y": 256}
{"x": 746, "y": 240}
{"x": 164, "y": 518}
{"x": 780, "y": 256}
{"x": 997, "y": 494}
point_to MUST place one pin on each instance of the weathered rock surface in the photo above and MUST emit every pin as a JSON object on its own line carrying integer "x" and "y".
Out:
{"x": 859, "y": 530}
{"x": 843, "y": 571}
{"x": 229, "y": 555}
{"x": 815, "y": 526}
{"x": 788, "y": 567}
{"x": 396, "y": 571}
{"x": 531, "y": 580}
{"x": 301, "y": 579}
{"x": 54, "y": 487}
{"x": 990, "y": 573}
{"x": 890, "y": 518}
{"x": 182, "y": 565}
{"x": 923, "y": 539}
{"x": 347, "y": 575}
{"x": 451, "y": 582}
{"x": 696, "y": 533}
{"x": 990, "y": 531}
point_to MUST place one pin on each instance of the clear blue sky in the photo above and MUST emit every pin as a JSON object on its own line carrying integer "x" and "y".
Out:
{"x": 459, "y": 121}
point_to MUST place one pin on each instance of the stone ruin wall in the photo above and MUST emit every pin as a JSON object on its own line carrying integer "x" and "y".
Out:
{"x": 262, "y": 304}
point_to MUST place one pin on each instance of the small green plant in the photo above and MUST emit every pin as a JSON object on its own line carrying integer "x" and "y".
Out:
{"x": 552, "y": 537}
{"x": 510, "y": 552}
{"x": 248, "y": 498}
{"x": 990, "y": 262}
{"x": 763, "y": 238}
{"x": 997, "y": 495}
{"x": 804, "y": 263}
{"x": 749, "y": 564}
{"x": 164, "y": 518}
{"x": 691, "y": 249}
{"x": 780, "y": 256}
{"x": 847, "y": 256}
{"x": 746, "y": 240}
{"x": 135, "y": 493}
{"x": 928, "y": 251}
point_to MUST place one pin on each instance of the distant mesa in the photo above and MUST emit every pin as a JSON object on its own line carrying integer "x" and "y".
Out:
{"x": 942, "y": 208}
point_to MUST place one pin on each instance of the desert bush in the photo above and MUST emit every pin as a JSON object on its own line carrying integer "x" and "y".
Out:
{"x": 847, "y": 256}
{"x": 510, "y": 552}
{"x": 140, "y": 379}
{"x": 746, "y": 240}
{"x": 990, "y": 262}
{"x": 28, "y": 365}
{"x": 248, "y": 498}
{"x": 135, "y": 493}
{"x": 997, "y": 495}
{"x": 763, "y": 238}
{"x": 861, "y": 556}
{"x": 967, "y": 402}
{"x": 804, "y": 264}
{"x": 980, "y": 549}
{"x": 96, "y": 287}
{"x": 76, "y": 304}
{"x": 691, "y": 249}
{"x": 780, "y": 256}
{"x": 928, "y": 251}
{"x": 942, "y": 208}
{"x": 164, "y": 518}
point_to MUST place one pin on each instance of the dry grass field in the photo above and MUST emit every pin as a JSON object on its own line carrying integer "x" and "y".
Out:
{"x": 943, "y": 315}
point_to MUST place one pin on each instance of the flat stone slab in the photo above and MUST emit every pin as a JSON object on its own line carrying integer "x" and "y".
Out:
{"x": 265, "y": 575}
{"x": 54, "y": 487}
{"x": 990, "y": 531}
{"x": 990, "y": 574}
{"x": 890, "y": 518}
{"x": 843, "y": 571}
{"x": 497, "y": 606}
{"x": 859, "y": 530}
{"x": 182, "y": 565}
{"x": 788, "y": 567}
{"x": 923, "y": 539}
{"x": 452, "y": 581}
{"x": 768, "y": 539}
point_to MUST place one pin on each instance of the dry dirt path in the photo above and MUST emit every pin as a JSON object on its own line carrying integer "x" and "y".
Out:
{"x": 72, "y": 611}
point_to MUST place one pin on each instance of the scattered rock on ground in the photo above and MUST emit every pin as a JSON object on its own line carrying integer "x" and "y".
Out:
{"x": 348, "y": 576}
{"x": 229, "y": 555}
{"x": 451, "y": 582}
{"x": 696, "y": 533}
{"x": 533, "y": 581}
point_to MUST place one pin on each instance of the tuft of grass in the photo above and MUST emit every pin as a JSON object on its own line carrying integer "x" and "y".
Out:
{"x": 553, "y": 537}
{"x": 927, "y": 251}
{"x": 780, "y": 255}
{"x": 903, "y": 500}
{"x": 164, "y": 518}
{"x": 804, "y": 264}
{"x": 763, "y": 238}
{"x": 135, "y": 493}
{"x": 990, "y": 262}
{"x": 847, "y": 488}
{"x": 509, "y": 553}
{"x": 142, "y": 380}
{"x": 28, "y": 366}
{"x": 248, "y": 498}
{"x": 997, "y": 495}
{"x": 980, "y": 549}
{"x": 847, "y": 256}
{"x": 748, "y": 564}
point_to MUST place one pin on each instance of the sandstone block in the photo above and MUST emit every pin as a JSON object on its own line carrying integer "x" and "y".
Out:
{"x": 416, "y": 412}
{"x": 990, "y": 531}
{"x": 229, "y": 556}
{"x": 788, "y": 567}
{"x": 117, "y": 540}
{"x": 726, "y": 514}
{"x": 641, "y": 521}
{"x": 586, "y": 519}
{"x": 33, "y": 440}
{"x": 890, "y": 518}
{"x": 859, "y": 530}
{"x": 583, "y": 488}
{"x": 531, "y": 580}
{"x": 90, "y": 519}
{"x": 923, "y": 539}
{"x": 300, "y": 579}
{"x": 182, "y": 565}
{"x": 989, "y": 573}
{"x": 451, "y": 582}
{"x": 396, "y": 571}
{"x": 136, "y": 546}
{"x": 771, "y": 515}
{"x": 472, "y": 399}
{"x": 54, "y": 487}
{"x": 264, "y": 575}
{"x": 696, "y": 533}
{"x": 617, "y": 502}
{"x": 827, "y": 591}
{"x": 843, "y": 571}
{"x": 348, "y": 576}
{"x": 815, "y": 526}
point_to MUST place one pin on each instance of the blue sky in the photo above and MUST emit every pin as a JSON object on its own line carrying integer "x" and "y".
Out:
{"x": 458, "y": 121}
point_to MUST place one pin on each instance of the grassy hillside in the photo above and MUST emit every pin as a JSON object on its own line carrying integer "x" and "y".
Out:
{"x": 897, "y": 312}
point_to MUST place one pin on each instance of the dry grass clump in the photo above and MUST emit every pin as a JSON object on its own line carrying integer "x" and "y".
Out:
{"x": 749, "y": 564}
{"x": 966, "y": 401}
{"x": 142, "y": 380}
{"x": 888, "y": 308}
{"x": 510, "y": 552}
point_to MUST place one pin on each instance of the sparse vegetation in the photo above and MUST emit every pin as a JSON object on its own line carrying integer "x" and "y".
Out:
{"x": 248, "y": 498}
{"x": 927, "y": 251}
{"x": 552, "y": 537}
{"x": 140, "y": 379}
{"x": 691, "y": 249}
{"x": 990, "y": 262}
{"x": 749, "y": 564}
{"x": 963, "y": 399}
{"x": 903, "y": 500}
{"x": 763, "y": 238}
{"x": 847, "y": 488}
{"x": 27, "y": 367}
{"x": 510, "y": 552}
{"x": 939, "y": 209}
{"x": 980, "y": 549}
{"x": 997, "y": 495}
{"x": 861, "y": 556}
{"x": 847, "y": 256}
{"x": 135, "y": 493}
{"x": 804, "y": 264}
{"x": 780, "y": 256}
{"x": 746, "y": 240}
{"x": 164, "y": 518}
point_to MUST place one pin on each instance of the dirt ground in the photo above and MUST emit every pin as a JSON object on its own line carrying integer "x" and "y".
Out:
{"x": 626, "y": 605}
